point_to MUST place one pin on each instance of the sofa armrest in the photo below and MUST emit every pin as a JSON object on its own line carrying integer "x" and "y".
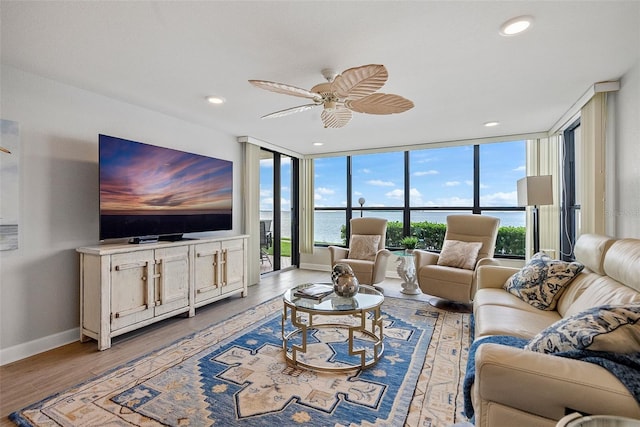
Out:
{"x": 337, "y": 252}
{"x": 493, "y": 276}
{"x": 546, "y": 385}
{"x": 380, "y": 265}
{"x": 422, "y": 258}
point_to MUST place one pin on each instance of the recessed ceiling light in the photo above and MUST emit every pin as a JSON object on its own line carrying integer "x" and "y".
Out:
{"x": 217, "y": 100}
{"x": 318, "y": 144}
{"x": 516, "y": 25}
{"x": 491, "y": 124}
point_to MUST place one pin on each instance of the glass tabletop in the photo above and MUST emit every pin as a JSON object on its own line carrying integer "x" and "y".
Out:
{"x": 366, "y": 298}
{"x": 402, "y": 253}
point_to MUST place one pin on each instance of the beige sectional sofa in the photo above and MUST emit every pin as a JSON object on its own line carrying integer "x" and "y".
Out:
{"x": 519, "y": 387}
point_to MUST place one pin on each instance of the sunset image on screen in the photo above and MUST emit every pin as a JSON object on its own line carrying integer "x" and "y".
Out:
{"x": 141, "y": 179}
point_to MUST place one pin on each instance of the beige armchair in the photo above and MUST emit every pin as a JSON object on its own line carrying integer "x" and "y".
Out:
{"x": 366, "y": 253}
{"x": 469, "y": 242}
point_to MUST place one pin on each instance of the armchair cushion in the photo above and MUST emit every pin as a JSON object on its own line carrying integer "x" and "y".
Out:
{"x": 613, "y": 328}
{"x": 363, "y": 246}
{"x": 542, "y": 280}
{"x": 459, "y": 254}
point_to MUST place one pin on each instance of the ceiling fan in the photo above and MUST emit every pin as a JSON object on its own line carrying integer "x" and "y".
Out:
{"x": 353, "y": 90}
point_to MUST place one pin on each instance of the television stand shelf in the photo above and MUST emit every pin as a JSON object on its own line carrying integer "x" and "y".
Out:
{"x": 124, "y": 287}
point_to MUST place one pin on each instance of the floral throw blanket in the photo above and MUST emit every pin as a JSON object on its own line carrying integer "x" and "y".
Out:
{"x": 625, "y": 367}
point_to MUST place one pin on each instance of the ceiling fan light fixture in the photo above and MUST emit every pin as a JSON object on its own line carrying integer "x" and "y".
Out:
{"x": 318, "y": 144}
{"x": 330, "y": 104}
{"x": 516, "y": 26}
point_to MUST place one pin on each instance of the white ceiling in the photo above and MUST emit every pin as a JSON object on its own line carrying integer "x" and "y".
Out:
{"x": 446, "y": 56}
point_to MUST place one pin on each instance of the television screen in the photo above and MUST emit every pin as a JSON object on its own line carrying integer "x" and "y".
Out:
{"x": 147, "y": 190}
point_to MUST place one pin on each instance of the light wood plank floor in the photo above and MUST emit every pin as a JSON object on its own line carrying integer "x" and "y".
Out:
{"x": 35, "y": 378}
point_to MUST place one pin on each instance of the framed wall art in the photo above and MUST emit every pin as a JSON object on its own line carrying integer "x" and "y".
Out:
{"x": 9, "y": 184}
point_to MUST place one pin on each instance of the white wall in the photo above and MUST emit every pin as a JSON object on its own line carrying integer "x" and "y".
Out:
{"x": 59, "y": 127}
{"x": 626, "y": 170}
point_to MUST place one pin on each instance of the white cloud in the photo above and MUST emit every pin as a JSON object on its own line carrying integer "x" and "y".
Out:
{"x": 500, "y": 199}
{"x": 396, "y": 194}
{"x": 380, "y": 183}
{"x": 266, "y": 204}
{"x": 423, "y": 173}
{"x": 453, "y": 201}
{"x": 415, "y": 197}
{"x": 265, "y": 193}
{"x": 365, "y": 170}
{"x": 325, "y": 191}
{"x": 451, "y": 183}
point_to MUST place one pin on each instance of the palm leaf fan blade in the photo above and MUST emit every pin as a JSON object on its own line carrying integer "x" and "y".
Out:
{"x": 358, "y": 82}
{"x": 336, "y": 118}
{"x": 291, "y": 110}
{"x": 286, "y": 89}
{"x": 380, "y": 103}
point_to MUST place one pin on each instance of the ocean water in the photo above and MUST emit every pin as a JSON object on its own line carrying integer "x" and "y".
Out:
{"x": 327, "y": 224}
{"x": 8, "y": 237}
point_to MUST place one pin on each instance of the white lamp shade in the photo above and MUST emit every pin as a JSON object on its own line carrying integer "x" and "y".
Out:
{"x": 535, "y": 191}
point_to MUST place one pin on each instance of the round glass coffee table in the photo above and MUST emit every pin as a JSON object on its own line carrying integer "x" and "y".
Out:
{"x": 334, "y": 334}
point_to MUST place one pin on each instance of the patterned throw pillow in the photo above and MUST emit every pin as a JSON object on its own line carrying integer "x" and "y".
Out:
{"x": 542, "y": 280}
{"x": 614, "y": 328}
{"x": 459, "y": 254}
{"x": 363, "y": 246}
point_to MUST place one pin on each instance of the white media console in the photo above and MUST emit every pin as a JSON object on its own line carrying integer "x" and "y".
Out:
{"x": 124, "y": 286}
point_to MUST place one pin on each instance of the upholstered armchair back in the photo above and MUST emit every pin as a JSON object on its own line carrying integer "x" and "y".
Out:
{"x": 474, "y": 228}
{"x": 376, "y": 226}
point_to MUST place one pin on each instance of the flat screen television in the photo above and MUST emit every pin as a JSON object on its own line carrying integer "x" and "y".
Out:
{"x": 149, "y": 192}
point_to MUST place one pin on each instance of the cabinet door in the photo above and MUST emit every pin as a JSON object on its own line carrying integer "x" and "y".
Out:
{"x": 207, "y": 277}
{"x": 132, "y": 277}
{"x": 172, "y": 279}
{"x": 232, "y": 266}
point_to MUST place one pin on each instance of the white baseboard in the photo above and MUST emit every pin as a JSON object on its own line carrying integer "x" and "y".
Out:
{"x": 21, "y": 351}
{"x": 319, "y": 267}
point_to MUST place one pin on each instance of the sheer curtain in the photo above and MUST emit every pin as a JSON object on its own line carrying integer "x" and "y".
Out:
{"x": 251, "y": 210}
{"x": 306, "y": 206}
{"x": 593, "y": 159}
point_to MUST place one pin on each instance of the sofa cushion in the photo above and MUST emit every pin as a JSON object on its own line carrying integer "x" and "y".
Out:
{"x": 590, "y": 251}
{"x": 503, "y": 320}
{"x": 602, "y": 291}
{"x": 363, "y": 246}
{"x": 542, "y": 280}
{"x": 459, "y": 254}
{"x": 494, "y": 296}
{"x": 622, "y": 262}
{"x": 612, "y": 328}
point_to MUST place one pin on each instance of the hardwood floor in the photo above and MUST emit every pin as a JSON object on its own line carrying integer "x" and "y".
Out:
{"x": 35, "y": 378}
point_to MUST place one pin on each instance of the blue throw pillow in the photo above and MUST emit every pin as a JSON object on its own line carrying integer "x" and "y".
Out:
{"x": 542, "y": 280}
{"x": 611, "y": 328}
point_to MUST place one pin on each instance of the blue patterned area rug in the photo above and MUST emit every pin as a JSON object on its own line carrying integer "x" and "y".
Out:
{"x": 234, "y": 373}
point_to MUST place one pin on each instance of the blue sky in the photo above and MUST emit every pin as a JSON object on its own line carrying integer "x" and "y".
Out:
{"x": 439, "y": 177}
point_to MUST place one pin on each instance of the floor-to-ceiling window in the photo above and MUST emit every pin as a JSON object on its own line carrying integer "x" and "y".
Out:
{"x": 570, "y": 191}
{"x": 278, "y": 211}
{"x": 416, "y": 190}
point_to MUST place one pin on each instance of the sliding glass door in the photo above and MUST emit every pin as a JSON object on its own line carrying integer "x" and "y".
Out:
{"x": 278, "y": 211}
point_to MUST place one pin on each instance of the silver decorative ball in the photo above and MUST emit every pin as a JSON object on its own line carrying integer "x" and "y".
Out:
{"x": 346, "y": 285}
{"x": 338, "y": 270}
